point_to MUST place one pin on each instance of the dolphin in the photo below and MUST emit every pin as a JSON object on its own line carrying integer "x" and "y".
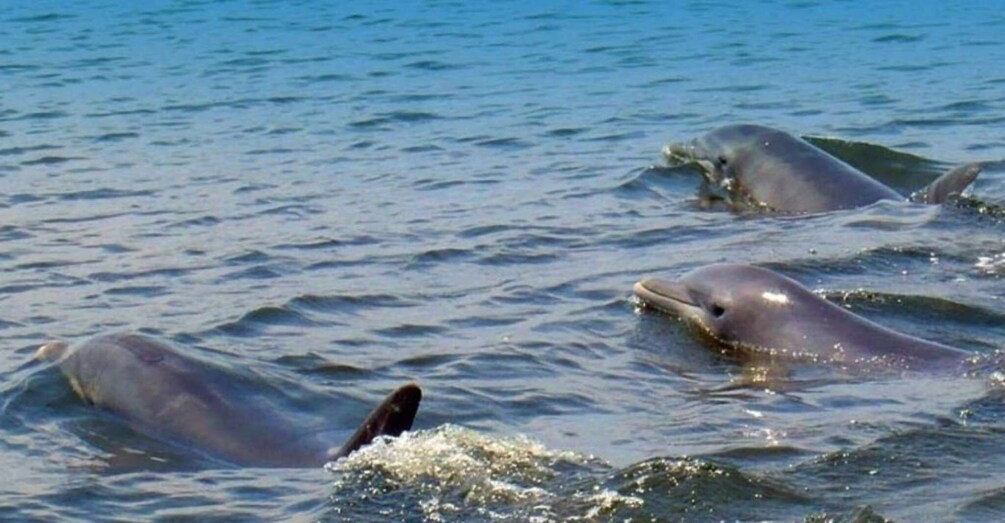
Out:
{"x": 760, "y": 311}
{"x": 783, "y": 173}
{"x": 186, "y": 401}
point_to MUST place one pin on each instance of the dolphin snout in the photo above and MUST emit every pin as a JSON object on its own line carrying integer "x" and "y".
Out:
{"x": 668, "y": 296}
{"x": 680, "y": 153}
{"x": 51, "y": 351}
{"x": 665, "y": 288}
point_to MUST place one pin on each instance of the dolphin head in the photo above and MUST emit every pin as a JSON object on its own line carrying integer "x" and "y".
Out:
{"x": 736, "y": 304}
{"x": 52, "y": 351}
{"x": 722, "y": 152}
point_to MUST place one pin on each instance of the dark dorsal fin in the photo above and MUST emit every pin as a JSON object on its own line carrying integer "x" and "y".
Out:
{"x": 948, "y": 185}
{"x": 393, "y": 416}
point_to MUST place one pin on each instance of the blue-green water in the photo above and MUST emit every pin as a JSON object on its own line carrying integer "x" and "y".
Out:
{"x": 342, "y": 197}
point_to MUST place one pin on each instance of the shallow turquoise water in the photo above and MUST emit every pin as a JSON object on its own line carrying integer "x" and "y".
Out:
{"x": 340, "y": 198}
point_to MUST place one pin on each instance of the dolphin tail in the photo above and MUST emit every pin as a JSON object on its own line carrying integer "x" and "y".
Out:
{"x": 393, "y": 416}
{"x": 948, "y": 185}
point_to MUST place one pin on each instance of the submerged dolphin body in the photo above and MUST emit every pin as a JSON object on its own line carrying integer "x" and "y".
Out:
{"x": 186, "y": 401}
{"x": 787, "y": 174}
{"x": 759, "y": 310}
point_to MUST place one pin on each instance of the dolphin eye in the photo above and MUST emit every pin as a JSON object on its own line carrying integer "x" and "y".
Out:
{"x": 717, "y": 310}
{"x": 722, "y": 161}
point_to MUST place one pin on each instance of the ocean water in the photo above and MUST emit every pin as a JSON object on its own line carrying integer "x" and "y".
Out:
{"x": 341, "y": 197}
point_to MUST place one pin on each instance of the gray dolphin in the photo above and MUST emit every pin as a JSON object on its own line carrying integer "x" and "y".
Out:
{"x": 186, "y": 401}
{"x": 787, "y": 174}
{"x": 755, "y": 309}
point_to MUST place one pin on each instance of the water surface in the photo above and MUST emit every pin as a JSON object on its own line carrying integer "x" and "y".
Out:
{"x": 340, "y": 198}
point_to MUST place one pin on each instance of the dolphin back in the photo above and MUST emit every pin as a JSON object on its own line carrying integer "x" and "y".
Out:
{"x": 393, "y": 416}
{"x": 184, "y": 400}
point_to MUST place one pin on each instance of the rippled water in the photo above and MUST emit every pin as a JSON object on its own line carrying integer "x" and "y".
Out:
{"x": 339, "y": 198}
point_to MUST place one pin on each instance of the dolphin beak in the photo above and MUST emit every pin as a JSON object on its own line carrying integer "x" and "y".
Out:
{"x": 690, "y": 152}
{"x": 667, "y": 296}
{"x": 51, "y": 351}
{"x": 680, "y": 153}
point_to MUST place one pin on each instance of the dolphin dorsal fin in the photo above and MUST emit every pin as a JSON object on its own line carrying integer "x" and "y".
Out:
{"x": 393, "y": 416}
{"x": 948, "y": 185}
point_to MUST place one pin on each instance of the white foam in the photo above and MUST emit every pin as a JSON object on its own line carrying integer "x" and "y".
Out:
{"x": 459, "y": 471}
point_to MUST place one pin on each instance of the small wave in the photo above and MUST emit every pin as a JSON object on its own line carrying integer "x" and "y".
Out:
{"x": 986, "y": 506}
{"x": 50, "y": 160}
{"x": 4, "y": 324}
{"x": 11, "y": 233}
{"x": 203, "y": 221}
{"x": 394, "y": 117}
{"x": 733, "y": 89}
{"x": 253, "y": 273}
{"x": 968, "y": 106}
{"x": 40, "y": 115}
{"x": 316, "y": 364}
{"x": 437, "y": 185}
{"x": 244, "y": 62}
{"x": 14, "y": 151}
{"x": 125, "y": 112}
{"x": 330, "y": 243}
{"x": 327, "y": 77}
{"x": 503, "y": 143}
{"x": 112, "y": 277}
{"x": 97, "y": 61}
{"x": 563, "y": 132}
{"x": 264, "y": 318}
{"x": 253, "y": 256}
{"x": 618, "y": 137}
{"x": 17, "y": 68}
{"x": 509, "y": 257}
{"x": 441, "y": 256}
{"x": 421, "y": 149}
{"x": 273, "y": 150}
{"x": 348, "y": 304}
{"x": 482, "y": 230}
{"x": 48, "y": 17}
{"x": 412, "y": 116}
{"x": 665, "y": 182}
{"x": 103, "y": 194}
{"x": 115, "y": 137}
{"x": 898, "y": 38}
{"x": 701, "y": 490}
{"x": 411, "y": 331}
{"x": 147, "y": 291}
{"x": 418, "y": 97}
{"x": 432, "y": 65}
{"x": 908, "y": 68}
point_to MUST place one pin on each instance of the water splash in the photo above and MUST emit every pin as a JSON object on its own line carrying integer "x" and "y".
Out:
{"x": 456, "y": 473}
